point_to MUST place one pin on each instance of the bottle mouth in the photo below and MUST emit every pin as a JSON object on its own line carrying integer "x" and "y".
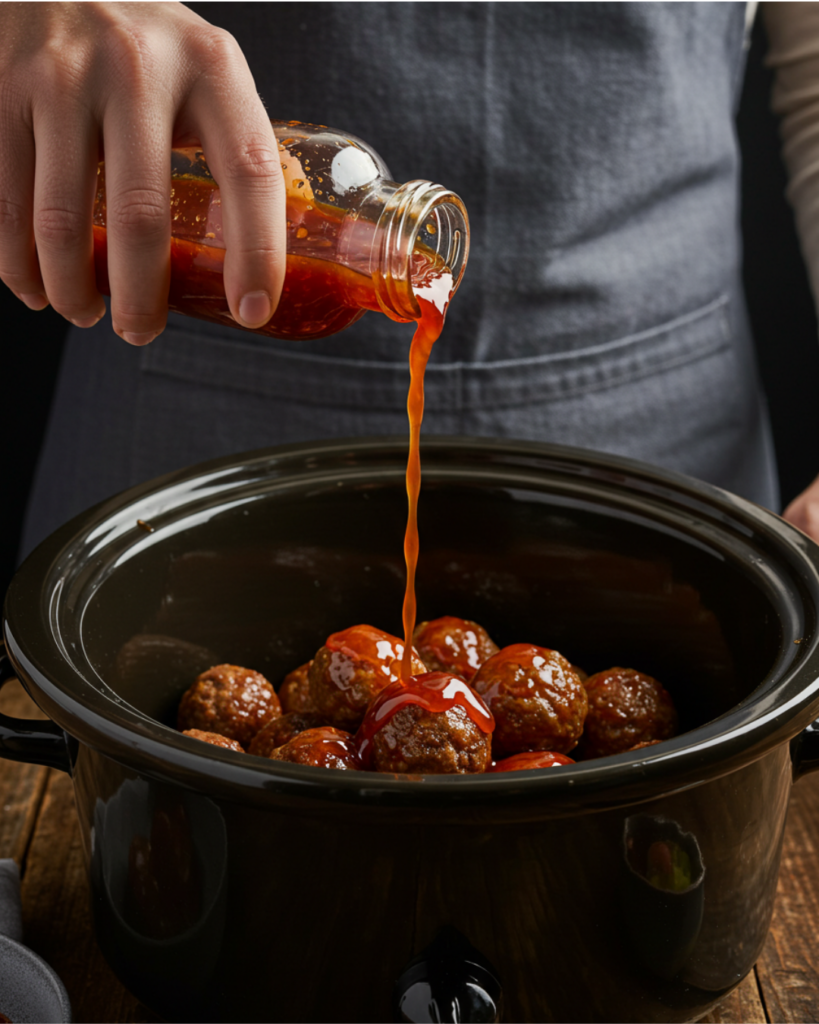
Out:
{"x": 421, "y": 249}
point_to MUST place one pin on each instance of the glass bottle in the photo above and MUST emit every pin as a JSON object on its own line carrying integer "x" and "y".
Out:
{"x": 355, "y": 239}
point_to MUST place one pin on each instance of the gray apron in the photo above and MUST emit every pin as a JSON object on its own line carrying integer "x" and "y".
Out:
{"x": 594, "y": 147}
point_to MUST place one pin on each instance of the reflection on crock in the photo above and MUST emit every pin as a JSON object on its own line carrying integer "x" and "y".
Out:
{"x": 662, "y": 892}
{"x": 162, "y": 859}
{"x": 449, "y": 980}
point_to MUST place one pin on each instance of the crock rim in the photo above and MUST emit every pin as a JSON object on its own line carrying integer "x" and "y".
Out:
{"x": 741, "y": 735}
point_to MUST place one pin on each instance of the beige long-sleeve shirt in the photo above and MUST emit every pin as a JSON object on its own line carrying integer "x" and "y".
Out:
{"x": 793, "y": 31}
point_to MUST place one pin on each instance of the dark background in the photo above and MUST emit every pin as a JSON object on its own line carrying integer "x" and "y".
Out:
{"x": 779, "y": 301}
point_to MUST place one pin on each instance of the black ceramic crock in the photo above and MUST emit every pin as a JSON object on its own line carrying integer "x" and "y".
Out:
{"x": 317, "y": 892}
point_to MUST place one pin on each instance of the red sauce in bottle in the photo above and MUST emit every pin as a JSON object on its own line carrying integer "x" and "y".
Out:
{"x": 434, "y": 691}
{"x": 319, "y": 296}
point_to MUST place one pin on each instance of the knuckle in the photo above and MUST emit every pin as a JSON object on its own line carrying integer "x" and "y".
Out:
{"x": 12, "y": 218}
{"x": 811, "y": 515}
{"x": 59, "y": 227}
{"x": 215, "y": 48}
{"x": 63, "y": 67}
{"x": 140, "y": 211}
{"x": 130, "y": 53}
{"x": 255, "y": 158}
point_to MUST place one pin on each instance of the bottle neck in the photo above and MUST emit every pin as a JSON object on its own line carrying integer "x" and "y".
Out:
{"x": 422, "y": 234}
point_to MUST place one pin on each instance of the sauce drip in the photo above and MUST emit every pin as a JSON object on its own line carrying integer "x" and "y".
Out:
{"x": 434, "y": 691}
{"x": 433, "y": 298}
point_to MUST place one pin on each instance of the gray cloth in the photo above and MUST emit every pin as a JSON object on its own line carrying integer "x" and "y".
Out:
{"x": 594, "y": 147}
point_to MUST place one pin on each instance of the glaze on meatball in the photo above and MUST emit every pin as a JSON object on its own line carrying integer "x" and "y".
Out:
{"x": 642, "y": 746}
{"x": 454, "y": 645}
{"x": 530, "y": 759}
{"x": 350, "y": 670}
{"x": 294, "y": 693}
{"x": 229, "y": 700}
{"x": 323, "y": 748}
{"x": 279, "y": 731}
{"x": 536, "y": 697}
{"x": 433, "y": 724}
{"x": 214, "y": 739}
{"x": 625, "y": 708}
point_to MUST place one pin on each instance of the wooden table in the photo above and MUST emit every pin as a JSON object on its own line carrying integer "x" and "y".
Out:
{"x": 38, "y": 828}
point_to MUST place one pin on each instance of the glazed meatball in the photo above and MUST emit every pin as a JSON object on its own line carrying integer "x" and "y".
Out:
{"x": 351, "y": 669}
{"x": 294, "y": 693}
{"x": 454, "y": 645}
{"x": 323, "y": 748}
{"x": 214, "y": 739}
{"x": 531, "y": 759}
{"x": 279, "y": 731}
{"x": 625, "y": 708}
{"x": 232, "y": 701}
{"x": 536, "y": 697}
{"x": 433, "y": 724}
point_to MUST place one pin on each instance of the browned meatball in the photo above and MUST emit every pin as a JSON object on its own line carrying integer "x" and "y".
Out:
{"x": 214, "y": 739}
{"x": 433, "y": 724}
{"x": 232, "y": 701}
{"x": 625, "y": 708}
{"x": 323, "y": 748}
{"x": 536, "y": 698}
{"x": 279, "y": 731}
{"x": 294, "y": 693}
{"x": 642, "y": 746}
{"x": 454, "y": 645}
{"x": 351, "y": 669}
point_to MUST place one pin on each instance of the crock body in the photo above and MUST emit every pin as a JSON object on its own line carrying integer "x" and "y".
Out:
{"x": 312, "y": 890}
{"x": 313, "y": 912}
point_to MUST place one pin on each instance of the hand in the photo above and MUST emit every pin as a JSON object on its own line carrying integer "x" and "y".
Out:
{"x": 803, "y": 511}
{"x": 130, "y": 80}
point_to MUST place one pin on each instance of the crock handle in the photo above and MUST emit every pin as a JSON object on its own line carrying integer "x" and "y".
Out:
{"x": 28, "y": 739}
{"x": 805, "y": 751}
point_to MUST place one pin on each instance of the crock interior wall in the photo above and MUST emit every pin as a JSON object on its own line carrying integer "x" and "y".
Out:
{"x": 263, "y": 584}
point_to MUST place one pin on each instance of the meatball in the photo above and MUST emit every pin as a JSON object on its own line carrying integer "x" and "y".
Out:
{"x": 351, "y": 669}
{"x": 232, "y": 701}
{"x": 642, "y": 746}
{"x": 279, "y": 731}
{"x": 625, "y": 708}
{"x": 536, "y": 697}
{"x": 214, "y": 739}
{"x": 294, "y": 693}
{"x": 530, "y": 759}
{"x": 323, "y": 748}
{"x": 433, "y": 724}
{"x": 454, "y": 645}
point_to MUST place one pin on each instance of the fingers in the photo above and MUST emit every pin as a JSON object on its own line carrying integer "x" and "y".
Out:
{"x": 803, "y": 511}
{"x": 66, "y": 147}
{"x": 18, "y": 258}
{"x": 137, "y": 187}
{"x": 129, "y": 76}
{"x": 243, "y": 156}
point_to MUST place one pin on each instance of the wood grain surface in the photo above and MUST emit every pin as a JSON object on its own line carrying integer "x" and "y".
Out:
{"x": 39, "y": 829}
